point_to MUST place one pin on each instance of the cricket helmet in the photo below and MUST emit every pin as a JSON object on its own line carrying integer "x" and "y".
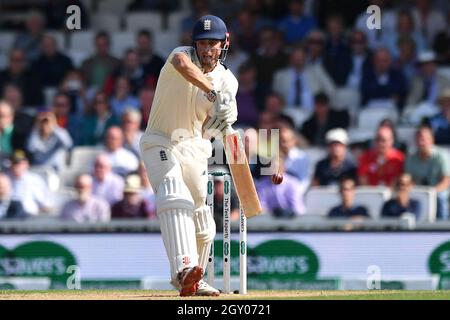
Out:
{"x": 211, "y": 27}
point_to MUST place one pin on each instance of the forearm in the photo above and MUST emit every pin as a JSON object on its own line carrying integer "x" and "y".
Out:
{"x": 443, "y": 184}
{"x": 191, "y": 72}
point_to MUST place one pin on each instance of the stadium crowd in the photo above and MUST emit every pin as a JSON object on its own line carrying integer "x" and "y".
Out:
{"x": 339, "y": 93}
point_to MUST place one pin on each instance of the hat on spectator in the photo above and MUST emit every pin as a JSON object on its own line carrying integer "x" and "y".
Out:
{"x": 425, "y": 57}
{"x": 133, "y": 183}
{"x": 445, "y": 94}
{"x": 337, "y": 135}
{"x": 18, "y": 156}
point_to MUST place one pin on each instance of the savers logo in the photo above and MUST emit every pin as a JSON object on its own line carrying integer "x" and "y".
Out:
{"x": 274, "y": 259}
{"x": 439, "y": 261}
{"x": 37, "y": 259}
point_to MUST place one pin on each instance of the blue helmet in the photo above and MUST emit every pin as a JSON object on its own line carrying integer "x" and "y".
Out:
{"x": 210, "y": 27}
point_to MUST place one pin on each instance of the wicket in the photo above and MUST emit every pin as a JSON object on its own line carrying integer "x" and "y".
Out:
{"x": 227, "y": 237}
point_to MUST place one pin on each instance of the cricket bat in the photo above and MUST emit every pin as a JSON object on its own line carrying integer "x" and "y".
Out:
{"x": 240, "y": 172}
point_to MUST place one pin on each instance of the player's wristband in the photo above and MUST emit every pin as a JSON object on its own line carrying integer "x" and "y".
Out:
{"x": 211, "y": 96}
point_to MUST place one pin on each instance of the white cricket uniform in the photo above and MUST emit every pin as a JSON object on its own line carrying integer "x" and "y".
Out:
{"x": 176, "y": 158}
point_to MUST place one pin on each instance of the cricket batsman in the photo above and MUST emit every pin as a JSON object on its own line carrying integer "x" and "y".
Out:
{"x": 194, "y": 90}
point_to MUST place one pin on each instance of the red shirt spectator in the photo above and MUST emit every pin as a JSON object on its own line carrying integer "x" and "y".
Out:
{"x": 383, "y": 164}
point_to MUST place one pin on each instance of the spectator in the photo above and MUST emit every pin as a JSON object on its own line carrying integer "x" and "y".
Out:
{"x": 86, "y": 207}
{"x": 337, "y": 60}
{"x": 122, "y": 97}
{"x": 269, "y": 56}
{"x": 406, "y": 60}
{"x": 74, "y": 87}
{"x": 131, "y": 120}
{"x": 296, "y": 25}
{"x": 23, "y": 117}
{"x": 405, "y": 27}
{"x": 9, "y": 208}
{"x": 382, "y": 84}
{"x": 382, "y": 164}
{"x": 402, "y": 203}
{"x": 428, "y": 84}
{"x": 440, "y": 123}
{"x": 152, "y": 62}
{"x": 49, "y": 143}
{"x": 132, "y": 206}
{"x": 322, "y": 120}
{"x": 17, "y": 74}
{"x": 105, "y": 183}
{"x": 348, "y": 209}
{"x": 96, "y": 69}
{"x": 146, "y": 96}
{"x": 50, "y": 65}
{"x": 361, "y": 59}
{"x": 123, "y": 161}
{"x": 29, "y": 41}
{"x": 6, "y": 128}
{"x": 284, "y": 200}
{"x": 338, "y": 164}
{"x": 299, "y": 82}
{"x": 97, "y": 121}
{"x": 428, "y": 21}
{"x": 246, "y": 28}
{"x": 27, "y": 187}
{"x": 250, "y": 96}
{"x": 315, "y": 46}
{"x": 430, "y": 166}
{"x": 61, "y": 107}
{"x": 131, "y": 68}
{"x": 296, "y": 161}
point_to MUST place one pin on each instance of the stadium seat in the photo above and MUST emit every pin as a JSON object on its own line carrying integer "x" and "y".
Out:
{"x": 113, "y": 6}
{"x": 143, "y": 20}
{"x": 121, "y": 41}
{"x": 67, "y": 177}
{"x": 360, "y": 135}
{"x": 48, "y": 175}
{"x": 82, "y": 41}
{"x": 83, "y": 158}
{"x": 444, "y": 71}
{"x": 175, "y": 19}
{"x": 372, "y": 198}
{"x": 314, "y": 155}
{"x": 319, "y": 200}
{"x": 106, "y": 21}
{"x": 60, "y": 197}
{"x": 7, "y": 41}
{"x": 428, "y": 202}
{"x": 406, "y": 134}
{"x": 299, "y": 116}
{"x": 165, "y": 42}
{"x": 347, "y": 99}
{"x": 371, "y": 117}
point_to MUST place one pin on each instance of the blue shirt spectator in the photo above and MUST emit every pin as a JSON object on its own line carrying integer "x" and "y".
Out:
{"x": 440, "y": 123}
{"x": 402, "y": 203}
{"x": 296, "y": 25}
{"x": 383, "y": 83}
{"x": 348, "y": 209}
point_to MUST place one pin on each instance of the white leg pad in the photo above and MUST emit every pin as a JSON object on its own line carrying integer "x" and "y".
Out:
{"x": 205, "y": 228}
{"x": 175, "y": 212}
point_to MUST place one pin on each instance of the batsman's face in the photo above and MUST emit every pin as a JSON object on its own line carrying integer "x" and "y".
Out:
{"x": 208, "y": 52}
